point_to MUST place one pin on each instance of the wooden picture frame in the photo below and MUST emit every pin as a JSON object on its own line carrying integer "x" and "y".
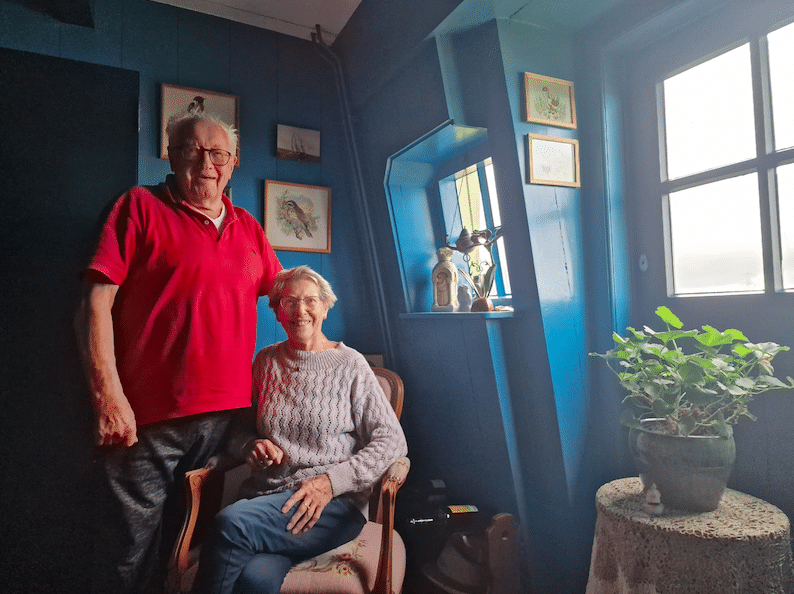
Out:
{"x": 176, "y": 102}
{"x": 549, "y": 101}
{"x": 553, "y": 161}
{"x": 298, "y": 217}
{"x": 297, "y": 144}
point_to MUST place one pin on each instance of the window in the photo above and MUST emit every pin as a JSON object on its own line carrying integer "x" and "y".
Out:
{"x": 469, "y": 201}
{"x": 727, "y": 181}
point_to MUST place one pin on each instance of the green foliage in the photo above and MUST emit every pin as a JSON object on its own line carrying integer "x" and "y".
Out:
{"x": 698, "y": 381}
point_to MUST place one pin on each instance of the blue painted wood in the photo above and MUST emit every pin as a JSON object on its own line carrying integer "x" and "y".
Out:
{"x": 410, "y": 183}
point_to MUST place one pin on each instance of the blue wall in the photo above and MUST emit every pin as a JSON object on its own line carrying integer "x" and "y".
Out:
{"x": 506, "y": 410}
{"x": 279, "y": 80}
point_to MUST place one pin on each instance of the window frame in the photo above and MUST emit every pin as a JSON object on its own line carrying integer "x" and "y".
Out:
{"x": 448, "y": 200}
{"x": 765, "y": 162}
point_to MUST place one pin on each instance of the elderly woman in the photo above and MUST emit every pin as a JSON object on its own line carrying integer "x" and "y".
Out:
{"x": 325, "y": 433}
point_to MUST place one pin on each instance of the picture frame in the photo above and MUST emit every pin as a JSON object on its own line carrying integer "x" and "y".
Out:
{"x": 549, "y": 101}
{"x": 298, "y": 217}
{"x": 553, "y": 161}
{"x": 176, "y": 102}
{"x": 297, "y": 144}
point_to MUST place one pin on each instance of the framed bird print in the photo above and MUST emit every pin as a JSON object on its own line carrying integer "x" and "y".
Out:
{"x": 177, "y": 102}
{"x": 549, "y": 101}
{"x": 298, "y": 217}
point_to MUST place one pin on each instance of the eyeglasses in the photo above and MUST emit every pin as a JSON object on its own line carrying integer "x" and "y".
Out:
{"x": 291, "y": 303}
{"x": 218, "y": 157}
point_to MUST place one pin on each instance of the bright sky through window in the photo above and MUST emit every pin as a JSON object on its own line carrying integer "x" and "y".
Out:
{"x": 698, "y": 105}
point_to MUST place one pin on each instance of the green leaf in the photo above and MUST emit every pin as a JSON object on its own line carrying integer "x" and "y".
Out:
{"x": 686, "y": 426}
{"x": 661, "y": 408}
{"x": 668, "y": 317}
{"x": 487, "y": 284}
{"x": 691, "y": 373}
{"x": 629, "y": 419}
{"x": 470, "y": 281}
{"x": 721, "y": 428}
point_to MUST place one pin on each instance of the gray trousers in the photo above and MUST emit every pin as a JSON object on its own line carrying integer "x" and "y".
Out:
{"x": 141, "y": 500}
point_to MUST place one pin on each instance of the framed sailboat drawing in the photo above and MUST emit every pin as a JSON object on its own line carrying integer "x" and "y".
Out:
{"x": 297, "y": 144}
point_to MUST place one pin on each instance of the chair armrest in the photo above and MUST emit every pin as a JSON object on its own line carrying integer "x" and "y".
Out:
{"x": 392, "y": 480}
{"x": 194, "y": 481}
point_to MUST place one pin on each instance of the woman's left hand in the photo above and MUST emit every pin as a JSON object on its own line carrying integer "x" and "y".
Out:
{"x": 314, "y": 494}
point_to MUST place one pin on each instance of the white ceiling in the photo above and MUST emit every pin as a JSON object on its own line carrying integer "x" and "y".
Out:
{"x": 291, "y": 17}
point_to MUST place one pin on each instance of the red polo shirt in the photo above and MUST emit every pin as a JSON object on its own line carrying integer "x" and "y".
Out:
{"x": 185, "y": 313}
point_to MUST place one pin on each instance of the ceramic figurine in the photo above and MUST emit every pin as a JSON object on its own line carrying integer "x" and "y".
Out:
{"x": 445, "y": 281}
{"x": 464, "y": 298}
{"x": 653, "y": 501}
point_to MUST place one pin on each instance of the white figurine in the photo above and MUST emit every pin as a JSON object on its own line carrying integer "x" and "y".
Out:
{"x": 464, "y": 298}
{"x": 653, "y": 505}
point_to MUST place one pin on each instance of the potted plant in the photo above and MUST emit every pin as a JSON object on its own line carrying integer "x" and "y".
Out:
{"x": 686, "y": 390}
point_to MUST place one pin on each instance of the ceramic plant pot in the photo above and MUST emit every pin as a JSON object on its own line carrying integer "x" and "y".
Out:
{"x": 482, "y": 304}
{"x": 691, "y": 473}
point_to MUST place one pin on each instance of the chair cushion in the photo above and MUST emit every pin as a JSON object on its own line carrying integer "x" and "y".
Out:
{"x": 348, "y": 569}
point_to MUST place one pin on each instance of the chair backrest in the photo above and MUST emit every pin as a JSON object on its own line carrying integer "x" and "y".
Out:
{"x": 393, "y": 387}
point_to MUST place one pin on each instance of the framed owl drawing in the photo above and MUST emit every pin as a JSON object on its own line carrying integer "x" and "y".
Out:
{"x": 298, "y": 217}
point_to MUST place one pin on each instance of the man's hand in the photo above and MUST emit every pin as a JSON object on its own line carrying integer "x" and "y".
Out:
{"x": 115, "y": 422}
{"x": 314, "y": 494}
{"x": 94, "y": 326}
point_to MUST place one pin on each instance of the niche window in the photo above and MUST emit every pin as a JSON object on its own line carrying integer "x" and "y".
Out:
{"x": 726, "y": 169}
{"x": 469, "y": 201}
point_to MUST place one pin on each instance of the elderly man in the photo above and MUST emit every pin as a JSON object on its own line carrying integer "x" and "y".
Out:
{"x": 167, "y": 328}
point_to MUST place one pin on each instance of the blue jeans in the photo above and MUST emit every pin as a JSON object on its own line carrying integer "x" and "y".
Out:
{"x": 250, "y": 550}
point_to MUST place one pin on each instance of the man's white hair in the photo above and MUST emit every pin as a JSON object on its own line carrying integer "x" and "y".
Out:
{"x": 176, "y": 129}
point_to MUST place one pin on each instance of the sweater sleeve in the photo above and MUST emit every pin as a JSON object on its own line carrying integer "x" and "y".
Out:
{"x": 381, "y": 438}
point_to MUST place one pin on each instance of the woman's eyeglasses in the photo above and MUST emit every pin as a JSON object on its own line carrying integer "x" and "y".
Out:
{"x": 291, "y": 303}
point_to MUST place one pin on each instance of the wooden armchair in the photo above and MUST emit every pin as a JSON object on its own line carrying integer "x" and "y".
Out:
{"x": 372, "y": 563}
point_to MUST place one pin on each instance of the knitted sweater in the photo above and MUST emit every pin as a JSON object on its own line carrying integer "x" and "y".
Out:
{"x": 329, "y": 415}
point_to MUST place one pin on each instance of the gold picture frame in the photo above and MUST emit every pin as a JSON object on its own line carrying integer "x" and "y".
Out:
{"x": 549, "y": 101}
{"x": 298, "y": 217}
{"x": 176, "y": 102}
{"x": 553, "y": 161}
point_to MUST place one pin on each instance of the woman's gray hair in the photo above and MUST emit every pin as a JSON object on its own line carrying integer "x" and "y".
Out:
{"x": 326, "y": 293}
{"x": 176, "y": 129}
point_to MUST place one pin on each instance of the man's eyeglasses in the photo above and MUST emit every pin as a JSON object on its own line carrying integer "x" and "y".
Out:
{"x": 218, "y": 157}
{"x": 291, "y": 303}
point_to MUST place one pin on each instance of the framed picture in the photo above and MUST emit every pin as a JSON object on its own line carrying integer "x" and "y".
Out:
{"x": 553, "y": 161}
{"x": 297, "y": 144}
{"x": 298, "y": 217}
{"x": 549, "y": 101}
{"x": 177, "y": 102}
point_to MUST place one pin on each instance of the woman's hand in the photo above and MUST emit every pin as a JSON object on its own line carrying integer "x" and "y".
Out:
{"x": 314, "y": 494}
{"x": 262, "y": 453}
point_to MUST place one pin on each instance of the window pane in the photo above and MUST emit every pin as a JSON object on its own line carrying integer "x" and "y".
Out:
{"x": 716, "y": 237}
{"x": 709, "y": 114}
{"x": 497, "y": 221}
{"x": 785, "y": 195}
{"x": 781, "y": 65}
